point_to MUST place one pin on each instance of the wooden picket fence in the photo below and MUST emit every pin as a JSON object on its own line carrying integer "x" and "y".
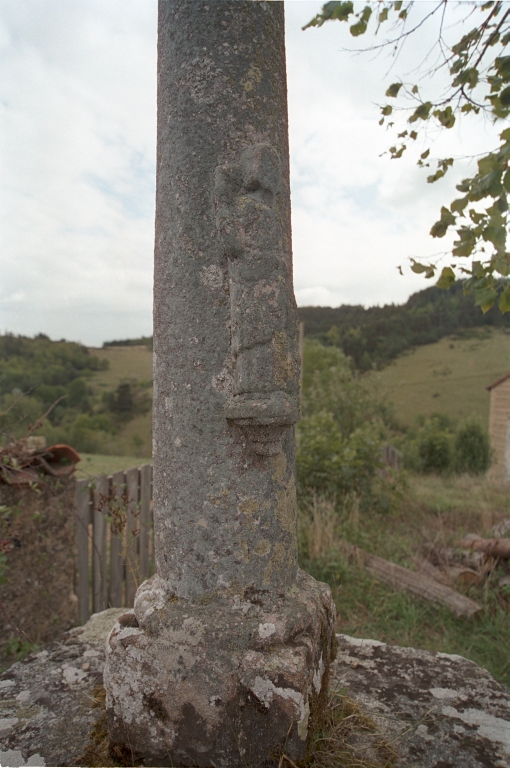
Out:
{"x": 111, "y": 563}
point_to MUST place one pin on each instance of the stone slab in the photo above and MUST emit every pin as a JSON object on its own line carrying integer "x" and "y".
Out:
{"x": 438, "y": 710}
{"x": 46, "y": 700}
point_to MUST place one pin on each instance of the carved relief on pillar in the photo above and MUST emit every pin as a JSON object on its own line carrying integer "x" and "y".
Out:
{"x": 264, "y": 401}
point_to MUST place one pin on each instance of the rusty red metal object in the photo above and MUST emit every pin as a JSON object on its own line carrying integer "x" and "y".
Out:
{"x": 23, "y": 467}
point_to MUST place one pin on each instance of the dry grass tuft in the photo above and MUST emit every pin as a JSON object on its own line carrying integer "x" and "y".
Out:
{"x": 349, "y": 739}
{"x": 320, "y": 525}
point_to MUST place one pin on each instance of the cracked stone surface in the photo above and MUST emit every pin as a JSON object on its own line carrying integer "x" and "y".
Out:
{"x": 214, "y": 684}
{"x": 439, "y": 711}
{"x": 46, "y": 712}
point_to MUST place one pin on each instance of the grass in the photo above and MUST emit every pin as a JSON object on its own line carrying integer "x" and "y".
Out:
{"x": 431, "y": 509}
{"x": 93, "y": 465}
{"x": 125, "y": 363}
{"x": 449, "y": 376}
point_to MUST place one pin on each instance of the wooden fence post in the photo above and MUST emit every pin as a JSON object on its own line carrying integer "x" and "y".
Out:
{"x": 99, "y": 547}
{"x": 120, "y": 561}
{"x": 145, "y": 501}
{"x": 83, "y": 520}
{"x": 132, "y": 536}
{"x": 115, "y": 596}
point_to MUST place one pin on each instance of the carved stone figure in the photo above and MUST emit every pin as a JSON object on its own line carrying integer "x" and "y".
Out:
{"x": 224, "y": 660}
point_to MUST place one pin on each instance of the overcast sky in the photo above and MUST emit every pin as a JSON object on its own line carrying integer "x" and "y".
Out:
{"x": 78, "y": 130}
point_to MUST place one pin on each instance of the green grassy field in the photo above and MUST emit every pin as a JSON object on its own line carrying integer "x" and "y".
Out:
{"x": 431, "y": 509}
{"x": 449, "y": 377}
{"x": 133, "y": 364}
{"x": 125, "y": 363}
{"x": 93, "y": 465}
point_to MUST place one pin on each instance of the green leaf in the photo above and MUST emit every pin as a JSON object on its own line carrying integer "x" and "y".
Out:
{"x": 464, "y": 186}
{"x": 393, "y": 90}
{"x": 439, "y": 229}
{"x": 485, "y": 298}
{"x": 504, "y": 300}
{"x": 330, "y": 11}
{"x": 366, "y": 14}
{"x": 413, "y": 135}
{"x": 421, "y": 113}
{"x": 358, "y": 29}
{"x": 459, "y": 204}
{"x": 447, "y": 278}
{"x": 467, "y": 77}
{"x": 445, "y": 117}
{"x": 414, "y": 89}
{"x": 504, "y": 96}
{"x": 387, "y": 110}
{"x": 465, "y": 245}
{"x": 425, "y": 154}
{"x": 502, "y": 66}
{"x": 419, "y": 268}
{"x": 383, "y": 16}
{"x": 396, "y": 153}
{"x": 436, "y": 176}
{"x": 397, "y": 5}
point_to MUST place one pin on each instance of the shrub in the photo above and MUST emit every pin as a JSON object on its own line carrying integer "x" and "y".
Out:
{"x": 471, "y": 449}
{"x": 434, "y": 447}
{"x": 340, "y": 436}
{"x": 428, "y": 447}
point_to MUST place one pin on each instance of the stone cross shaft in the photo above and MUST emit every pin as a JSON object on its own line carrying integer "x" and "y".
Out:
{"x": 224, "y": 660}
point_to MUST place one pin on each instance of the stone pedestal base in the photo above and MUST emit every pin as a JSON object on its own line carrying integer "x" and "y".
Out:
{"x": 234, "y": 681}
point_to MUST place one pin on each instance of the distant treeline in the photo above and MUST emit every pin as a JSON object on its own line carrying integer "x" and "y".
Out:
{"x": 145, "y": 341}
{"x": 374, "y": 336}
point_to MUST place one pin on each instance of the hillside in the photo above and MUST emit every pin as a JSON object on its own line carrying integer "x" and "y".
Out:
{"x": 131, "y": 363}
{"x": 449, "y": 376}
{"x": 377, "y": 335}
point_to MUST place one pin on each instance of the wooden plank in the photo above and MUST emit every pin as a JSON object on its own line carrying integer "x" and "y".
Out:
{"x": 404, "y": 580}
{"x": 116, "y": 582}
{"x": 145, "y": 502}
{"x": 132, "y": 535}
{"x": 152, "y": 558}
{"x": 83, "y": 519}
{"x": 99, "y": 547}
{"x": 491, "y": 547}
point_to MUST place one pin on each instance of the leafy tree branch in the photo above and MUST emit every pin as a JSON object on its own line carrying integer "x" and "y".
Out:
{"x": 478, "y": 67}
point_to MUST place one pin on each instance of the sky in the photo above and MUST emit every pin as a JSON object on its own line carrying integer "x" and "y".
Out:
{"x": 77, "y": 167}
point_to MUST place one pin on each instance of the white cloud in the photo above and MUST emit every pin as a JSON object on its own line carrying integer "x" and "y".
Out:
{"x": 78, "y": 132}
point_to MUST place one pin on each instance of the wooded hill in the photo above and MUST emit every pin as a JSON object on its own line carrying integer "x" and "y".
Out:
{"x": 376, "y": 335}
{"x": 373, "y": 337}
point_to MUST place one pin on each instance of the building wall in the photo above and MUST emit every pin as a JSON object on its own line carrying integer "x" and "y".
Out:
{"x": 498, "y": 421}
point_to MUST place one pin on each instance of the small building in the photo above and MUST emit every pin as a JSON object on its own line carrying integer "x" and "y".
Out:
{"x": 499, "y": 428}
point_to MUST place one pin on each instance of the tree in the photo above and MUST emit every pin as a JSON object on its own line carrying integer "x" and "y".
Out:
{"x": 478, "y": 69}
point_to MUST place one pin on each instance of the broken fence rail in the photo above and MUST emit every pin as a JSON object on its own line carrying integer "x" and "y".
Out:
{"x": 111, "y": 565}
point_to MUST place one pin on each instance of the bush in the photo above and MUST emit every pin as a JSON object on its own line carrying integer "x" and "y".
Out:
{"x": 471, "y": 449}
{"x": 340, "y": 436}
{"x": 434, "y": 447}
{"x": 429, "y": 448}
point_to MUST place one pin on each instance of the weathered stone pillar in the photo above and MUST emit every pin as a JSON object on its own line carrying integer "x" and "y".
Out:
{"x": 224, "y": 661}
